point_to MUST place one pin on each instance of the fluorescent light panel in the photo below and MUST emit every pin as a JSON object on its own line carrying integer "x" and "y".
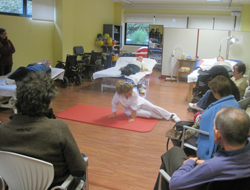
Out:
{"x": 213, "y": 0}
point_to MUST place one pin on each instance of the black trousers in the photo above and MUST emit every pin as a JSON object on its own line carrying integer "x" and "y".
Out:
{"x": 171, "y": 161}
{"x": 130, "y": 69}
{"x": 19, "y": 74}
{"x": 5, "y": 69}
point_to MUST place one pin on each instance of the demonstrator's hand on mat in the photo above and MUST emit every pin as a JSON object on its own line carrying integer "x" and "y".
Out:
{"x": 131, "y": 120}
{"x": 112, "y": 116}
{"x": 133, "y": 114}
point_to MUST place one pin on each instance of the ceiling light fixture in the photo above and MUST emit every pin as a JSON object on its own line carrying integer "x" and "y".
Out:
{"x": 213, "y": 0}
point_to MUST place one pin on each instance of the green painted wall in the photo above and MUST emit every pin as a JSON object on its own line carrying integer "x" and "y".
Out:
{"x": 32, "y": 39}
{"x": 77, "y": 23}
{"x": 245, "y": 18}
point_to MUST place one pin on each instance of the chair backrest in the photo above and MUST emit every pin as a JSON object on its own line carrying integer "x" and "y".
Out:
{"x": 244, "y": 103}
{"x": 78, "y": 50}
{"x": 95, "y": 56}
{"x": 25, "y": 173}
{"x": 242, "y": 184}
{"x": 71, "y": 61}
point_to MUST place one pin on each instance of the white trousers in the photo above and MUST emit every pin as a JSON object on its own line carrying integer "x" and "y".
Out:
{"x": 150, "y": 110}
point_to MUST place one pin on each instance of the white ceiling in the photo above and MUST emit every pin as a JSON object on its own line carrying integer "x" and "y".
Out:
{"x": 204, "y": 2}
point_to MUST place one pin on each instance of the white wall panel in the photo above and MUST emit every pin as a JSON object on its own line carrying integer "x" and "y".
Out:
{"x": 209, "y": 43}
{"x": 240, "y": 50}
{"x": 173, "y": 37}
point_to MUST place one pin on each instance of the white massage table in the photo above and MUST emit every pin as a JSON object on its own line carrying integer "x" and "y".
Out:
{"x": 8, "y": 92}
{"x": 115, "y": 73}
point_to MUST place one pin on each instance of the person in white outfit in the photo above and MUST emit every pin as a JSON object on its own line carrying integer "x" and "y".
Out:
{"x": 136, "y": 106}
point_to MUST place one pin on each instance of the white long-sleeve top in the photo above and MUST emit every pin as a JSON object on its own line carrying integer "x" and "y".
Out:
{"x": 133, "y": 102}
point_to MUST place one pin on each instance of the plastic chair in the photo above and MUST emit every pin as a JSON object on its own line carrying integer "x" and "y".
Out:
{"x": 27, "y": 173}
{"x": 244, "y": 103}
{"x": 185, "y": 144}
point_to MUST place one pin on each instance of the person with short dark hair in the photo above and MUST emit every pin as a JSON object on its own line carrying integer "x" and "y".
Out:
{"x": 152, "y": 33}
{"x": 221, "y": 89}
{"x": 208, "y": 97}
{"x": 230, "y": 162}
{"x": 239, "y": 70}
{"x": 158, "y": 36}
{"x": 136, "y": 106}
{"x": 6, "y": 51}
{"x": 33, "y": 134}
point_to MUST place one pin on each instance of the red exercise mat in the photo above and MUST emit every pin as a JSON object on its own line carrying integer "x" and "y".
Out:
{"x": 99, "y": 116}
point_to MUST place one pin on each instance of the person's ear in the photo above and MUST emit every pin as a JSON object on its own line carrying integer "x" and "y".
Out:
{"x": 217, "y": 136}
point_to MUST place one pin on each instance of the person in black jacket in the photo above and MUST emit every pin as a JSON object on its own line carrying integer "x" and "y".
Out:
{"x": 6, "y": 51}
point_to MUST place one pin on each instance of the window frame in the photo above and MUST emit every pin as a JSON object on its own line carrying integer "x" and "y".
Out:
{"x": 24, "y": 14}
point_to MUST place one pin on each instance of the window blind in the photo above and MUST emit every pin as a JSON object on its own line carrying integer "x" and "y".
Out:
{"x": 171, "y": 20}
{"x": 43, "y": 10}
{"x": 139, "y": 18}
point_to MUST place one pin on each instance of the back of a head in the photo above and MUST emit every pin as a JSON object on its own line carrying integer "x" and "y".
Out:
{"x": 221, "y": 85}
{"x": 123, "y": 87}
{"x": 34, "y": 94}
{"x": 218, "y": 70}
{"x": 233, "y": 124}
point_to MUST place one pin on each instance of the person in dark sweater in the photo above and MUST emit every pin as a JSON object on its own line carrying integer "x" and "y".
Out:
{"x": 6, "y": 51}
{"x": 33, "y": 134}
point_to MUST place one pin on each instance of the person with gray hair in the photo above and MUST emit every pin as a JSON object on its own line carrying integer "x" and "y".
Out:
{"x": 230, "y": 162}
{"x": 241, "y": 82}
{"x": 32, "y": 133}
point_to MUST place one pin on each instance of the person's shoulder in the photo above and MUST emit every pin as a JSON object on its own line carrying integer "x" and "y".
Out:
{"x": 57, "y": 123}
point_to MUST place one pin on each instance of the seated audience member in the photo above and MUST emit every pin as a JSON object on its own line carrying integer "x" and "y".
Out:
{"x": 136, "y": 106}
{"x": 33, "y": 134}
{"x": 247, "y": 92}
{"x": 221, "y": 89}
{"x": 134, "y": 67}
{"x": 41, "y": 67}
{"x": 239, "y": 70}
{"x": 230, "y": 162}
{"x": 209, "y": 98}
